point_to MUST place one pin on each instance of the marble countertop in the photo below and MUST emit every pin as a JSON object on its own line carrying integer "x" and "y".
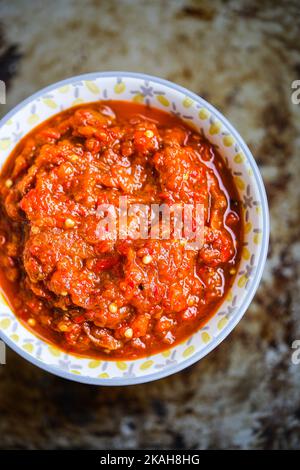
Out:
{"x": 242, "y": 56}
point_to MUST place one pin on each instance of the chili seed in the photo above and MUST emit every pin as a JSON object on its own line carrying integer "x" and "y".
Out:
{"x": 35, "y": 229}
{"x": 113, "y": 308}
{"x": 31, "y": 321}
{"x": 69, "y": 223}
{"x": 63, "y": 327}
{"x": 149, "y": 134}
{"x": 232, "y": 271}
{"x": 9, "y": 183}
{"x": 147, "y": 259}
{"x": 128, "y": 333}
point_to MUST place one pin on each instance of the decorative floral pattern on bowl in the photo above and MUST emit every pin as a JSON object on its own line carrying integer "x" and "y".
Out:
{"x": 207, "y": 120}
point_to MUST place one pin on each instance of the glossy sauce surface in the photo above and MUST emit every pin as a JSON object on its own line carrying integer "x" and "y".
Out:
{"x": 122, "y": 298}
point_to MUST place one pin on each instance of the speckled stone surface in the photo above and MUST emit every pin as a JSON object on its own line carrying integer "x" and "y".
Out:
{"x": 242, "y": 56}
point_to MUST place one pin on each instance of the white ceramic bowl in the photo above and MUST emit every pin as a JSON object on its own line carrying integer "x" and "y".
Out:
{"x": 195, "y": 110}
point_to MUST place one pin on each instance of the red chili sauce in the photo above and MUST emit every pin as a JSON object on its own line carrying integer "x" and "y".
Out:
{"x": 122, "y": 298}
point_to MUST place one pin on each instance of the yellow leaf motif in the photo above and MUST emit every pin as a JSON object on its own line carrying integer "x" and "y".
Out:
{"x": 189, "y": 351}
{"x": 76, "y": 372}
{"x": 5, "y": 323}
{"x": 138, "y": 98}
{"x": 205, "y": 337}
{"x": 166, "y": 353}
{"x": 229, "y": 296}
{"x": 64, "y": 89}
{"x": 240, "y": 183}
{"x": 54, "y": 351}
{"x": 104, "y": 375}
{"x": 246, "y": 254}
{"x": 248, "y": 227}
{"x": 228, "y": 140}
{"x": 28, "y": 347}
{"x": 121, "y": 365}
{"x": 239, "y": 158}
{"x": 50, "y": 103}
{"x": 257, "y": 238}
{"x": 222, "y": 323}
{"x": 33, "y": 119}
{"x": 215, "y": 128}
{"x": 146, "y": 365}
{"x": 15, "y": 338}
{"x": 94, "y": 364}
{"x": 120, "y": 87}
{"x": 187, "y": 102}
{"x": 4, "y": 144}
{"x": 3, "y": 299}
{"x": 77, "y": 101}
{"x": 92, "y": 87}
{"x": 203, "y": 114}
{"x": 163, "y": 100}
{"x": 242, "y": 281}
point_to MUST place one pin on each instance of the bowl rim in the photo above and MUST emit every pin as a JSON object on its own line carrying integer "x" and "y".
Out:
{"x": 260, "y": 264}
